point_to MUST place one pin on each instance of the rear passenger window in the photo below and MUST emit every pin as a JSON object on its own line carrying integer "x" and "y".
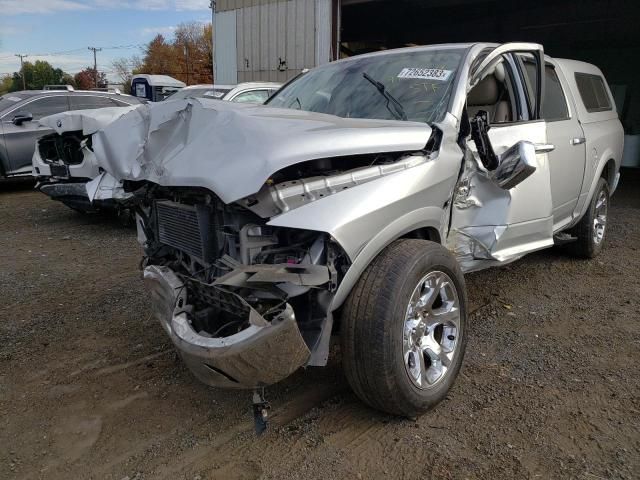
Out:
{"x": 554, "y": 103}
{"x": 85, "y": 102}
{"x": 531, "y": 67}
{"x": 593, "y": 92}
{"x": 44, "y": 107}
{"x": 554, "y": 106}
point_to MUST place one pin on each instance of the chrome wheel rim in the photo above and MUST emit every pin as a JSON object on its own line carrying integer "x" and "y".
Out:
{"x": 431, "y": 330}
{"x": 600, "y": 218}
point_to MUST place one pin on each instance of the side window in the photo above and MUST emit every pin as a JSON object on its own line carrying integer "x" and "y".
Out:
{"x": 43, "y": 107}
{"x": 85, "y": 102}
{"x": 554, "y": 105}
{"x": 530, "y": 65}
{"x": 496, "y": 95}
{"x": 593, "y": 92}
{"x": 255, "y": 96}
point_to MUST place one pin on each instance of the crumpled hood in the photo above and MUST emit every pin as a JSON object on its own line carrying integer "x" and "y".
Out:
{"x": 233, "y": 149}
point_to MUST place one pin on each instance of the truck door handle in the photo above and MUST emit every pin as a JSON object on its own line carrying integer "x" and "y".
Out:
{"x": 544, "y": 147}
{"x": 578, "y": 141}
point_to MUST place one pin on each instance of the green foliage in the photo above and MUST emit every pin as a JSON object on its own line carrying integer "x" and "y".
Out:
{"x": 6, "y": 83}
{"x": 37, "y": 75}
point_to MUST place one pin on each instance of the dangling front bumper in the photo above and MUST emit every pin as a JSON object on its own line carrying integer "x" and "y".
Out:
{"x": 262, "y": 354}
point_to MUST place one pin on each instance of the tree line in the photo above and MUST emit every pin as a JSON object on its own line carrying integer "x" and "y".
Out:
{"x": 187, "y": 56}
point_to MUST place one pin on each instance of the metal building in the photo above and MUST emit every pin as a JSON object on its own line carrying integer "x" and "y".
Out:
{"x": 270, "y": 40}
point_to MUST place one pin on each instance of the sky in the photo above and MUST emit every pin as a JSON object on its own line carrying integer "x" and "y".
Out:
{"x": 59, "y": 31}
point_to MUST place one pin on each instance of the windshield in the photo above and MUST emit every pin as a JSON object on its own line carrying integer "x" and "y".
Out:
{"x": 408, "y": 85}
{"x": 207, "y": 92}
{"x": 10, "y": 100}
{"x": 188, "y": 93}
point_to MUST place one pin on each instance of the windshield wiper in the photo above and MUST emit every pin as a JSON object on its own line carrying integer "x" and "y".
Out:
{"x": 399, "y": 112}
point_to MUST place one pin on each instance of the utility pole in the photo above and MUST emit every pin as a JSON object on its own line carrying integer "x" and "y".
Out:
{"x": 24, "y": 81}
{"x": 95, "y": 63}
{"x": 212, "y": 6}
{"x": 186, "y": 59}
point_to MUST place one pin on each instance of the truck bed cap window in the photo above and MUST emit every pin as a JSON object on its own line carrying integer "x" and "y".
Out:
{"x": 593, "y": 92}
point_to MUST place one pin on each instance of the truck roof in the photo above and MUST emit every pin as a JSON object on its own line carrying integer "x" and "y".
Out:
{"x": 161, "y": 80}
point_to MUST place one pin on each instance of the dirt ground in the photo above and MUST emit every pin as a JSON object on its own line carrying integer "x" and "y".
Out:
{"x": 90, "y": 386}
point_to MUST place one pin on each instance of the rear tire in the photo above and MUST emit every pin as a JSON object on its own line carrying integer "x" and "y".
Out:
{"x": 591, "y": 229}
{"x": 404, "y": 328}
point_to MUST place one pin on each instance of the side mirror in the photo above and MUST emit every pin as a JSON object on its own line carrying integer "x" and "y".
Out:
{"x": 22, "y": 117}
{"x": 515, "y": 165}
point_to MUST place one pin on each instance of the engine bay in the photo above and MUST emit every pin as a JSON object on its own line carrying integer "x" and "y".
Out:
{"x": 232, "y": 263}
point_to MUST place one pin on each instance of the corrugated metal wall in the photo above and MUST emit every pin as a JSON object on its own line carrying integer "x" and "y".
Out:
{"x": 225, "y": 5}
{"x": 225, "y": 41}
{"x": 324, "y": 14}
{"x": 276, "y": 40}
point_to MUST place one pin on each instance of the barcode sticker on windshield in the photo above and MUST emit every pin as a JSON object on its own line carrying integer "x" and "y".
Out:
{"x": 426, "y": 74}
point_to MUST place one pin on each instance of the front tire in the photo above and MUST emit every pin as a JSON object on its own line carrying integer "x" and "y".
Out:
{"x": 404, "y": 328}
{"x": 591, "y": 229}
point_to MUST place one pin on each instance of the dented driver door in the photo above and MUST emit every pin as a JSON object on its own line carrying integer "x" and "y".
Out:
{"x": 493, "y": 224}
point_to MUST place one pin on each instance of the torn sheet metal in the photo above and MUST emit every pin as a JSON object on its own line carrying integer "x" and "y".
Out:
{"x": 105, "y": 187}
{"x": 491, "y": 225}
{"x": 262, "y": 354}
{"x": 183, "y": 142}
{"x": 251, "y": 275}
{"x": 288, "y": 196}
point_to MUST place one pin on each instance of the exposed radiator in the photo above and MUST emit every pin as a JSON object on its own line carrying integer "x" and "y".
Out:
{"x": 186, "y": 228}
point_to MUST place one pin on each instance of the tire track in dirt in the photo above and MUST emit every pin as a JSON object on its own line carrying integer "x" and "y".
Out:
{"x": 222, "y": 447}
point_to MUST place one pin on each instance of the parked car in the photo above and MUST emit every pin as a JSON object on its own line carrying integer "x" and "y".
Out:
{"x": 249, "y": 92}
{"x": 356, "y": 202}
{"x": 19, "y": 126}
{"x": 63, "y": 174}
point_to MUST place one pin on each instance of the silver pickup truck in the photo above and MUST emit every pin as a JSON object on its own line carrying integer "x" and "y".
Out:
{"x": 354, "y": 202}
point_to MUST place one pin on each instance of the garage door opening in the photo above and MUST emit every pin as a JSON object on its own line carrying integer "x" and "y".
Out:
{"x": 604, "y": 33}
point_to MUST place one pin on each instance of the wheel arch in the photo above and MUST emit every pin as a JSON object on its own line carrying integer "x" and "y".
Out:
{"x": 424, "y": 223}
{"x": 609, "y": 172}
{"x": 424, "y": 233}
{"x": 607, "y": 168}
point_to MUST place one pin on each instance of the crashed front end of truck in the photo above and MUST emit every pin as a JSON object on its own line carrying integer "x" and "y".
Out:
{"x": 243, "y": 272}
{"x": 245, "y": 303}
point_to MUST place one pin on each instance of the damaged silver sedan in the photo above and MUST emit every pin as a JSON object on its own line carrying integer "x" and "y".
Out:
{"x": 353, "y": 203}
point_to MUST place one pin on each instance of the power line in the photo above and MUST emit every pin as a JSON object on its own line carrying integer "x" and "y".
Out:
{"x": 76, "y": 50}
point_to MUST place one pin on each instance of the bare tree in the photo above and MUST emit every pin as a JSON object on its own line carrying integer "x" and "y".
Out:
{"x": 187, "y": 57}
